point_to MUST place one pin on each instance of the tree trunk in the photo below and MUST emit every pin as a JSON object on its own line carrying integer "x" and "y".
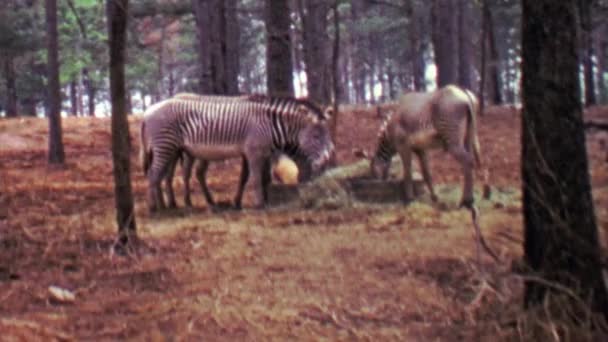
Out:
{"x": 561, "y": 236}
{"x": 465, "y": 55}
{"x": 117, "y": 13}
{"x": 316, "y": 58}
{"x": 218, "y": 46}
{"x": 11, "y": 87}
{"x": 483, "y": 66}
{"x": 201, "y": 9}
{"x": 602, "y": 43}
{"x": 586, "y": 41}
{"x": 73, "y": 98}
{"x": 336, "y": 89}
{"x": 232, "y": 47}
{"x": 495, "y": 86}
{"x": 279, "y": 70}
{"x": 445, "y": 31}
{"x": 56, "y": 153}
{"x": 416, "y": 43}
{"x": 90, "y": 89}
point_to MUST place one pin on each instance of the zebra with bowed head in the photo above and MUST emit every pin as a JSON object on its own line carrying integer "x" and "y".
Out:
{"x": 215, "y": 130}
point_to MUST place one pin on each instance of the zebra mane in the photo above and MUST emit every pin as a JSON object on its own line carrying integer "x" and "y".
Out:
{"x": 310, "y": 105}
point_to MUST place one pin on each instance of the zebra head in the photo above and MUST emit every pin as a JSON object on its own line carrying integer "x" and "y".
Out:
{"x": 314, "y": 139}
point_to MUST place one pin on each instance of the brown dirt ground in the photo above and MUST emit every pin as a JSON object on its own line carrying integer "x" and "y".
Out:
{"x": 366, "y": 273}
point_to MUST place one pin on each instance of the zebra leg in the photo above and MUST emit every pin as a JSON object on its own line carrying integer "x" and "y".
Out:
{"x": 466, "y": 162}
{"x": 169, "y": 184}
{"x": 238, "y": 199}
{"x": 426, "y": 174}
{"x": 201, "y": 175}
{"x": 266, "y": 178}
{"x": 157, "y": 172}
{"x": 405, "y": 152}
{"x": 188, "y": 162}
{"x": 256, "y": 166}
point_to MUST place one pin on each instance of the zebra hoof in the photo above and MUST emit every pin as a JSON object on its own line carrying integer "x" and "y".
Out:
{"x": 467, "y": 203}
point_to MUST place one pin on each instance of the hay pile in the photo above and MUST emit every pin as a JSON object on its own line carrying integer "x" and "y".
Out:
{"x": 331, "y": 190}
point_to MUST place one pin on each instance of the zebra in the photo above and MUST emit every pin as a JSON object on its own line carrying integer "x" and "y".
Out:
{"x": 252, "y": 128}
{"x": 443, "y": 118}
{"x": 201, "y": 170}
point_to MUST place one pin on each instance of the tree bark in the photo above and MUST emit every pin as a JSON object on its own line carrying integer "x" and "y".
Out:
{"x": 218, "y": 46}
{"x": 201, "y": 9}
{"x": 73, "y": 98}
{"x": 117, "y": 13}
{"x": 465, "y": 55}
{"x": 336, "y": 87}
{"x": 11, "y": 87}
{"x": 415, "y": 37}
{"x": 561, "y": 236}
{"x": 56, "y": 154}
{"x": 586, "y": 41}
{"x": 602, "y": 43}
{"x": 316, "y": 47}
{"x": 232, "y": 47}
{"x": 483, "y": 66}
{"x": 445, "y": 36}
{"x": 495, "y": 86}
{"x": 90, "y": 89}
{"x": 279, "y": 69}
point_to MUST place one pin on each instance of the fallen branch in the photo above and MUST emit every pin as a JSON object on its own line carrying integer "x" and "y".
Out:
{"x": 479, "y": 237}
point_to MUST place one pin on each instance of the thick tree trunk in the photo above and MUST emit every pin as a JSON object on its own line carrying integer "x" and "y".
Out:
{"x": 494, "y": 70}
{"x": 232, "y": 47}
{"x": 279, "y": 70}
{"x": 218, "y": 46}
{"x": 28, "y": 107}
{"x": 416, "y": 43}
{"x": 316, "y": 47}
{"x": 90, "y": 89}
{"x": 561, "y": 236}
{"x": 117, "y": 13}
{"x": 586, "y": 41}
{"x": 445, "y": 30}
{"x": 465, "y": 45}
{"x": 56, "y": 154}
{"x": 201, "y": 9}
{"x": 11, "y": 87}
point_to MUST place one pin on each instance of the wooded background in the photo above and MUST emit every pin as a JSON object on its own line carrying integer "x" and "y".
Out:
{"x": 375, "y": 49}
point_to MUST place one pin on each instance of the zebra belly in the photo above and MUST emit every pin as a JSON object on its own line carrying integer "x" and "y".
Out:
{"x": 214, "y": 152}
{"x": 424, "y": 140}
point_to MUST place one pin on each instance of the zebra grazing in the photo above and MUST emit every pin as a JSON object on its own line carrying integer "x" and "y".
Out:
{"x": 443, "y": 118}
{"x": 216, "y": 130}
{"x": 201, "y": 170}
{"x": 203, "y": 164}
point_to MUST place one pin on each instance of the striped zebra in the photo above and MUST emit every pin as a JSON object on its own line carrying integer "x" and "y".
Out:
{"x": 443, "y": 118}
{"x": 252, "y": 129}
{"x": 203, "y": 164}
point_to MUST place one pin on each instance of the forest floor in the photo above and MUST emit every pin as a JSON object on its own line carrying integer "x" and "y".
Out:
{"x": 365, "y": 272}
